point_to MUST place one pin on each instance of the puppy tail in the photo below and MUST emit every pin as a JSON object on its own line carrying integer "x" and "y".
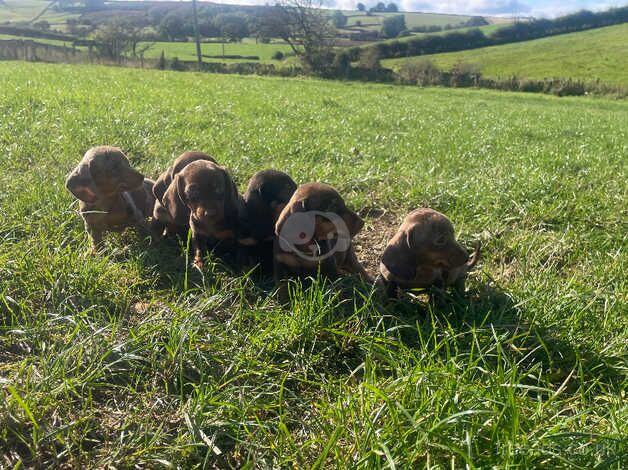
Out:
{"x": 475, "y": 257}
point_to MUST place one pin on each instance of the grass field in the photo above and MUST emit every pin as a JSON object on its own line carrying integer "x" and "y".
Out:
{"x": 486, "y": 29}
{"x": 131, "y": 359}
{"x": 187, "y": 50}
{"x": 412, "y": 19}
{"x": 21, "y": 10}
{"x": 588, "y": 55}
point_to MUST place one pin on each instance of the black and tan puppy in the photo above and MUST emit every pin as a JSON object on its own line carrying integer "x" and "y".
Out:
{"x": 203, "y": 197}
{"x": 266, "y": 195}
{"x": 112, "y": 194}
{"x": 314, "y": 232}
{"x": 424, "y": 253}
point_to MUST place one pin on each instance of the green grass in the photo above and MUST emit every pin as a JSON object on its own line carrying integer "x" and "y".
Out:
{"x": 21, "y": 10}
{"x": 412, "y": 18}
{"x": 130, "y": 359}
{"x": 486, "y": 29}
{"x": 54, "y": 42}
{"x": 187, "y": 50}
{"x": 588, "y": 55}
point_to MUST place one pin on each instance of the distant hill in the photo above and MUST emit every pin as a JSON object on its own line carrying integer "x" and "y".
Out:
{"x": 600, "y": 53}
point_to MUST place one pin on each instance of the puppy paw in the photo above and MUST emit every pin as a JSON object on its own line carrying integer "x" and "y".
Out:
{"x": 199, "y": 263}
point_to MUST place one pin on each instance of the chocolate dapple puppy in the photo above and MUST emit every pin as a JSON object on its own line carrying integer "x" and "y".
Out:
{"x": 314, "y": 232}
{"x": 161, "y": 219}
{"x": 424, "y": 253}
{"x": 204, "y": 198}
{"x": 266, "y": 195}
{"x": 112, "y": 195}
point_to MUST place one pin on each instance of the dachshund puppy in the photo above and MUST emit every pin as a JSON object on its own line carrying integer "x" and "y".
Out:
{"x": 267, "y": 194}
{"x": 314, "y": 231}
{"x": 112, "y": 195}
{"x": 203, "y": 197}
{"x": 161, "y": 186}
{"x": 424, "y": 253}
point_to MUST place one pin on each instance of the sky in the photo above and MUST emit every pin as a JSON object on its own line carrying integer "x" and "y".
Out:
{"x": 538, "y": 8}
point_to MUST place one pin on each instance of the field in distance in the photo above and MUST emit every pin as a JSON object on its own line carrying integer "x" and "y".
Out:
{"x": 131, "y": 358}
{"x": 600, "y": 53}
{"x": 248, "y": 47}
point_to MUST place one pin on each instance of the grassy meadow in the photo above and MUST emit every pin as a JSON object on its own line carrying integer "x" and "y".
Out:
{"x": 587, "y": 55}
{"x": 413, "y": 19}
{"x": 132, "y": 359}
{"x": 187, "y": 50}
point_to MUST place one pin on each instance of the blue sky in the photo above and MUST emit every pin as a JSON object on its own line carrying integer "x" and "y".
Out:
{"x": 547, "y": 8}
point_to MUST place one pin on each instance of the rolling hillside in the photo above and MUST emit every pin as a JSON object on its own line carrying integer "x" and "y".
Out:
{"x": 587, "y": 55}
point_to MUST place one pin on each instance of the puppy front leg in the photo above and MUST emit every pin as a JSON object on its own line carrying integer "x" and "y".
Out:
{"x": 279, "y": 274}
{"x": 392, "y": 289}
{"x": 460, "y": 285}
{"x": 197, "y": 244}
{"x": 95, "y": 235}
{"x": 352, "y": 265}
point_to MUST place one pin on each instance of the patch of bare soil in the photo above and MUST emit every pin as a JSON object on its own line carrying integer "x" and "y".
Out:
{"x": 379, "y": 227}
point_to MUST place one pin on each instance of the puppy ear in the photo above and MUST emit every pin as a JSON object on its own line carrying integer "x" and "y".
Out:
{"x": 161, "y": 185}
{"x": 130, "y": 179}
{"x": 291, "y": 208}
{"x": 81, "y": 184}
{"x": 399, "y": 261}
{"x": 413, "y": 238}
{"x": 174, "y": 203}
{"x": 354, "y": 222}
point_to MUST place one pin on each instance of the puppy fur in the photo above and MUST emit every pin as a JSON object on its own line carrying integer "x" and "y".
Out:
{"x": 323, "y": 198}
{"x": 203, "y": 197}
{"x": 112, "y": 195}
{"x": 161, "y": 219}
{"x": 424, "y": 253}
{"x": 266, "y": 195}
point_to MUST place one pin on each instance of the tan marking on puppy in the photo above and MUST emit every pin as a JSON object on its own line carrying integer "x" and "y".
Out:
{"x": 324, "y": 237}
{"x": 424, "y": 252}
{"x": 203, "y": 196}
{"x": 112, "y": 195}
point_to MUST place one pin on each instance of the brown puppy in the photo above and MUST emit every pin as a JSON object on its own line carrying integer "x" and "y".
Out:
{"x": 424, "y": 253}
{"x": 314, "y": 231}
{"x": 266, "y": 195}
{"x": 161, "y": 186}
{"x": 203, "y": 197}
{"x": 163, "y": 182}
{"x": 112, "y": 194}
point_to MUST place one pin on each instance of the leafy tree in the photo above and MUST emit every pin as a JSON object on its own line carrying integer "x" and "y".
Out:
{"x": 232, "y": 27}
{"x": 172, "y": 26}
{"x": 392, "y": 7}
{"x": 305, "y": 27}
{"x": 116, "y": 37}
{"x": 361, "y": 7}
{"x": 393, "y": 25}
{"x": 381, "y": 6}
{"x": 338, "y": 19}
